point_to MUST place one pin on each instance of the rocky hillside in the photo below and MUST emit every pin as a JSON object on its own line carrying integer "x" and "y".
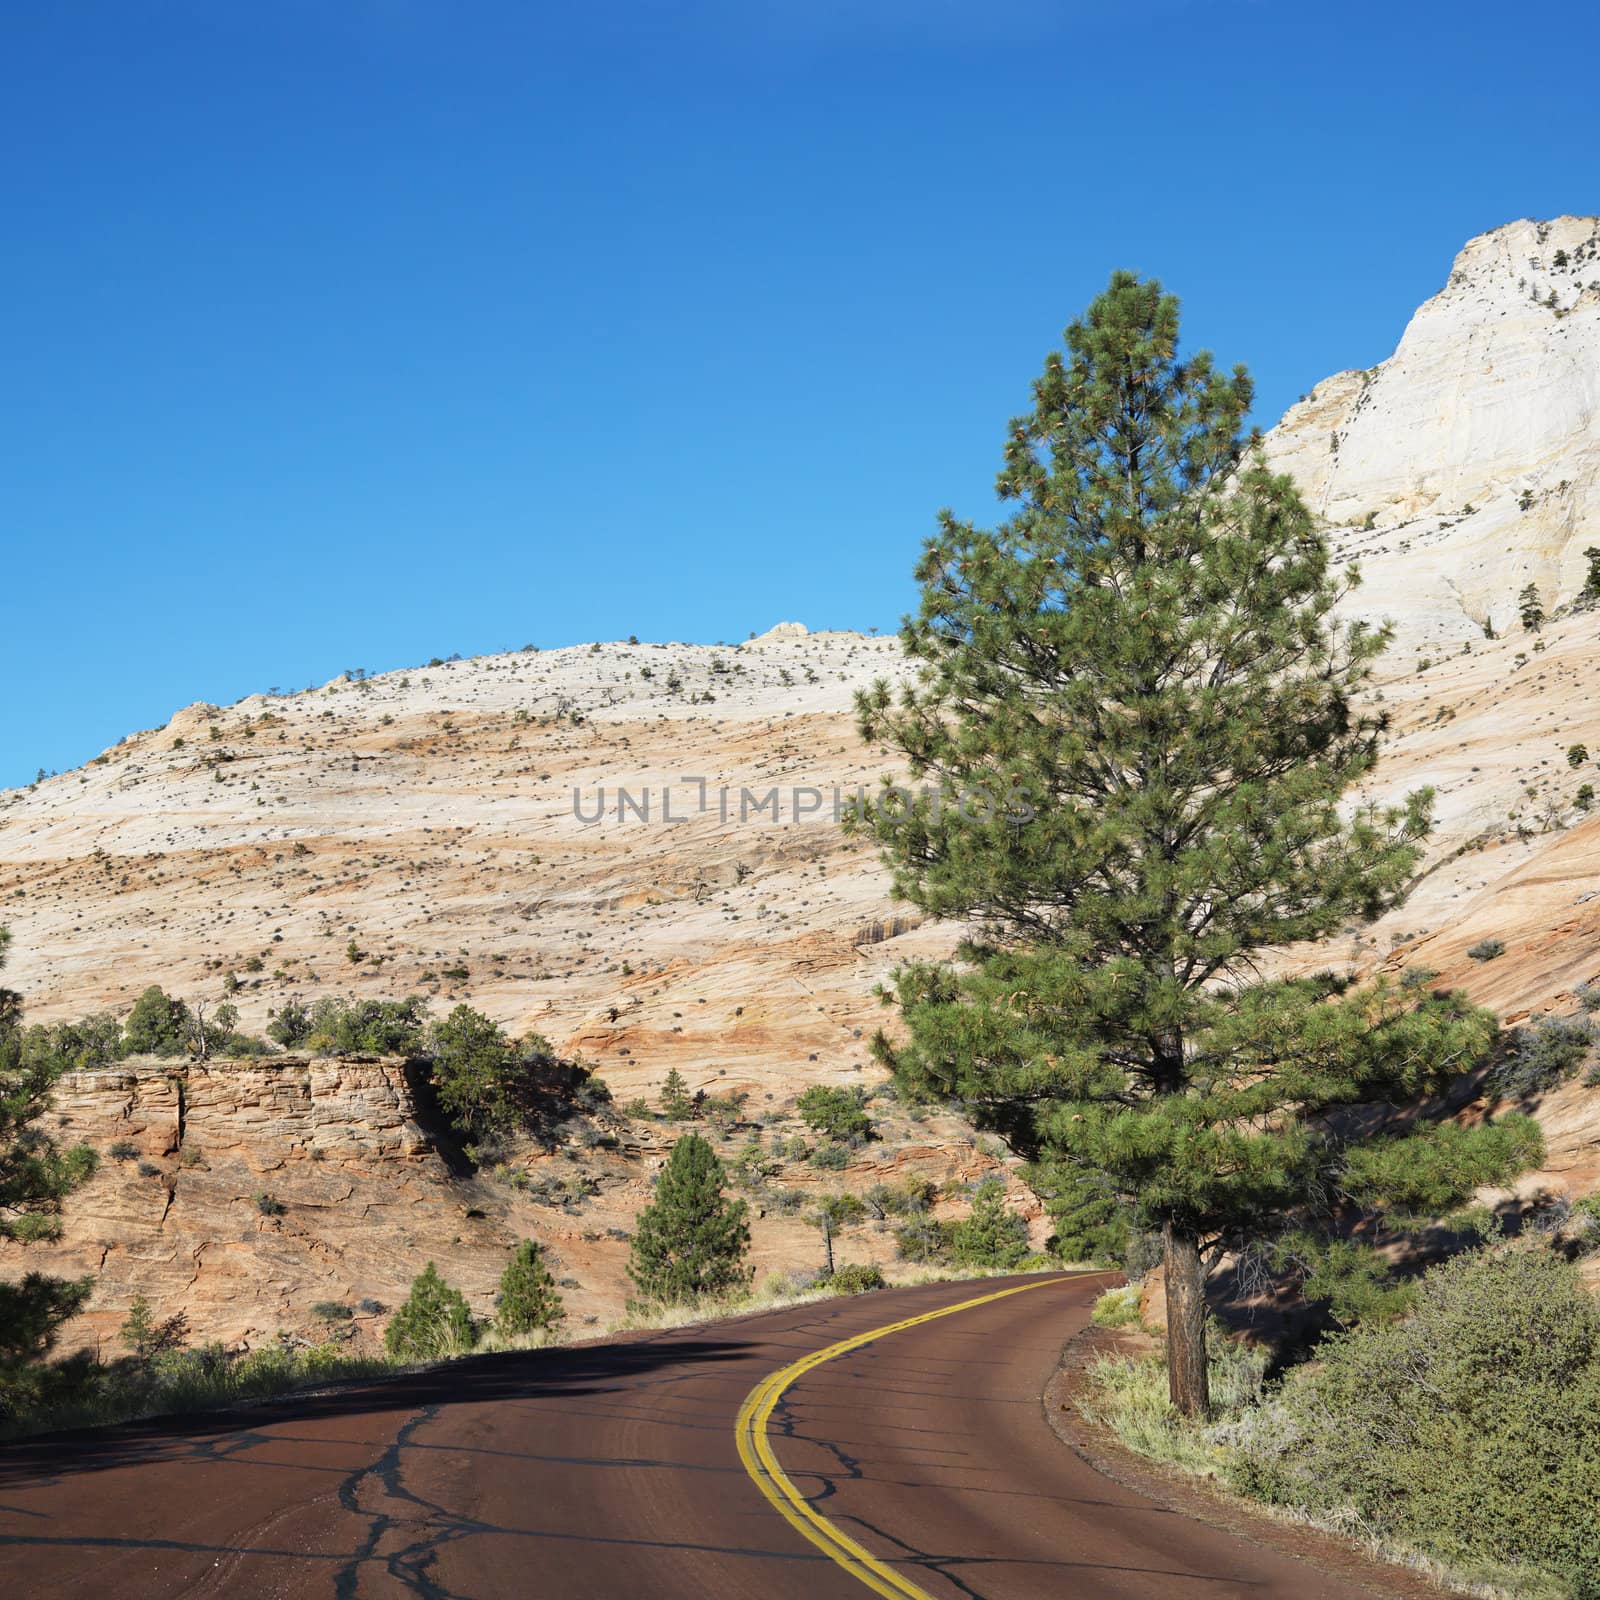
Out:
{"x": 457, "y": 830}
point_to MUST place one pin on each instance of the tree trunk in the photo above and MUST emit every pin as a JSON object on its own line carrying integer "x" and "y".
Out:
{"x": 1188, "y": 1382}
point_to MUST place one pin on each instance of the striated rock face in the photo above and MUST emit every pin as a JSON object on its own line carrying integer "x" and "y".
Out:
{"x": 245, "y": 1193}
{"x": 185, "y": 1152}
{"x": 1474, "y": 449}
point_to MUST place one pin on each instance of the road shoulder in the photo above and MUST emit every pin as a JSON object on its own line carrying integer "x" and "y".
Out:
{"x": 1201, "y": 1498}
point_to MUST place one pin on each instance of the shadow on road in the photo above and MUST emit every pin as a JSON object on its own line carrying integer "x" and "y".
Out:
{"x": 476, "y": 1380}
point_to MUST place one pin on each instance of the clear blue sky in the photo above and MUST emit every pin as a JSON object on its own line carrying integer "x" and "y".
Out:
{"x": 347, "y": 334}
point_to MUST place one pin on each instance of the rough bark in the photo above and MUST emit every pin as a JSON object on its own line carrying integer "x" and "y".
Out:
{"x": 1188, "y": 1381}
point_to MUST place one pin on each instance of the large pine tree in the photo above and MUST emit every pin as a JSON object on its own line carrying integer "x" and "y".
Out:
{"x": 691, "y": 1240}
{"x": 1135, "y": 719}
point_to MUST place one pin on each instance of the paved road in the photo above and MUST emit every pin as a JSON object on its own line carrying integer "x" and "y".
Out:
{"x": 614, "y": 1471}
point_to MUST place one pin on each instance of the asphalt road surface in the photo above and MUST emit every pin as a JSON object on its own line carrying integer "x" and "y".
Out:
{"x": 916, "y": 1464}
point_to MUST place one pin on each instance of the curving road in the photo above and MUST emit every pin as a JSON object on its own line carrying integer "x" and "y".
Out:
{"x": 917, "y": 1463}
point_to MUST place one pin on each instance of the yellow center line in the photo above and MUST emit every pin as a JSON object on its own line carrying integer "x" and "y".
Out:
{"x": 755, "y": 1451}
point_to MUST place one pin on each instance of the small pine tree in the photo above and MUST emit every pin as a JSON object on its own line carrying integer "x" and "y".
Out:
{"x": 1531, "y": 608}
{"x": 528, "y": 1299}
{"x": 1591, "y": 582}
{"x": 145, "y": 1338}
{"x": 475, "y": 1071}
{"x": 676, "y": 1102}
{"x": 1577, "y": 754}
{"x": 138, "y": 1329}
{"x": 435, "y": 1321}
{"x": 991, "y": 1235}
{"x": 691, "y": 1240}
{"x": 158, "y": 1025}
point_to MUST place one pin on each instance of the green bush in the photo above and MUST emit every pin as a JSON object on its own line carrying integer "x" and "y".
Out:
{"x": 475, "y": 1072}
{"x": 909, "y": 1198}
{"x": 157, "y": 1026}
{"x": 434, "y": 1322}
{"x": 857, "y": 1279}
{"x": 1117, "y": 1308}
{"x": 830, "y": 1157}
{"x": 990, "y": 1236}
{"x": 840, "y": 1114}
{"x": 1471, "y": 1430}
{"x": 367, "y": 1027}
{"x": 291, "y": 1025}
{"x": 1487, "y": 950}
{"x": 528, "y": 1301}
{"x": 690, "y": 1241}
{"x": 923, "y": 1240}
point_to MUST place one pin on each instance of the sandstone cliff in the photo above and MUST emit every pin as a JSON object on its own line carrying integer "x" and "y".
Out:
{"x": 429, "y": 817}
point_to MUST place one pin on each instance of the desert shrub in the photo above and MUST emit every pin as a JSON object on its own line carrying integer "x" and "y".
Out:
{"x": 1487, "y": 949}
{"x": 1117, "y": 1308}
{"x": 923, "y": 1240}
{"x": 434, "y": 1322}
{"x": 1588, "y": 996}
{"x": 830, "y": 1157}
{"x": 1471, "y": 1430}
{"x": 724, "y": 1110}
{"x": 908, "y": 1198}
{"x": 332, "y": 1311}
{"x": 1541, "y": 1055}
{"x": 857, "y": 1279}
{"x": 122, "y": 1150}
{"x": 840, "y": 1114}
{"x": 269, "y": 1205}
{"x": 591, "y": 1092}
{"x": 990, "y": 1236}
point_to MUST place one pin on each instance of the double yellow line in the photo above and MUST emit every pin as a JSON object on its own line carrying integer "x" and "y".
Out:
{"x": 755, "y": 1451}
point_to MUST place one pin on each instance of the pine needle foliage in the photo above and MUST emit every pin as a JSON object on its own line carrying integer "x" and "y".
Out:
{"x": 990, "y": 1235}
{"x": 435, "y": 1321}
{"x": 529, "y": 1302}
{"x": 1135, "y": 719}
{"x": 691, "y": 1240}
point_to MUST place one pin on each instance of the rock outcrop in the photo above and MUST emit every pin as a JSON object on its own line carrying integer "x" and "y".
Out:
{"x": 1467, "y": 465}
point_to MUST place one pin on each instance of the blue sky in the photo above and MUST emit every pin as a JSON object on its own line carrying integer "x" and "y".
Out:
{"x": 349, "y": 334}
